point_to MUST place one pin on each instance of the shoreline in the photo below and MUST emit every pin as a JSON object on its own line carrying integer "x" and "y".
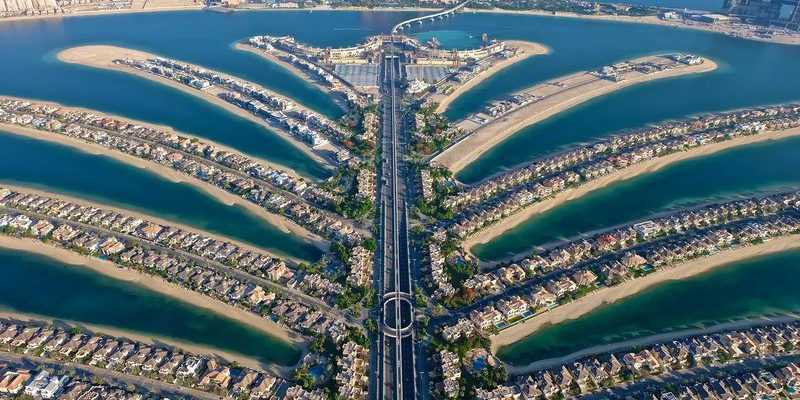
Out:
{"x": 530, "y": 49}
{"x": 168, "y": 129}
{"x": 609, "y": 295}
{"x": 485, "y": 137}
{"x": 110, "y": 270}
{"x": 156, "y": 340}
{"x": 645, "y": 20}
{"x": 284, "y": 225}
{"x": 735, "y": 324}
{"x": 23, "y": 18}
{"x": 151, "y": 218}
{"x": 489, "y": 233}
{"x": 296, "y": 72}
{"x": 102, "y": 56}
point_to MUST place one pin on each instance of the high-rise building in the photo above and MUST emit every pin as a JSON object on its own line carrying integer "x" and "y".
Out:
{"x": 784, "y": 13}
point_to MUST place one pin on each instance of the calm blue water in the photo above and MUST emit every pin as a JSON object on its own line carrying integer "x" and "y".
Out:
{"x": 61, "y": 169}
{"x": 744, "y": 171}
{"x": 72, "y": 293}
{"x": 752, "y": 288}
{"x": 750, "y": 73}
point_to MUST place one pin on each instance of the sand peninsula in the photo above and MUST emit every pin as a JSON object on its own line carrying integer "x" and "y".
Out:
{"x": 529, "y": 49}
{"x": 608, "y": 295}
{"x": 102, "y": 56}
{"x": 147, "y": 217}
{"x": 485, "y": 235}
{"x": 551, "y": 97}
{"x": 272, "y": 57}
{"x": 109, "y": 269}
{"x": 154, "y": 340}
{"x": 648, "y": 341}
{"x": 282, "y": 223}
{"x": 224, "y": 197}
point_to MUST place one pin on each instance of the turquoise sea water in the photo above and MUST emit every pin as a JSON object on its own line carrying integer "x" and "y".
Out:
{"x": 736, "y": 172}
{"x": 763, "y": 286}
{"x": 39, "y": 285}
{"x": 750, "y": 74}
{"x": 61, "y": 169}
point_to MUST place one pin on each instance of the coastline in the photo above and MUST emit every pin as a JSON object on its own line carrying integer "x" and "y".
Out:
{"x": 530, "y": 49}
{"x": 648, "y": 20}
{"x": 102, "y": 12}
{"x": 222, "y": 196}
{"x": 609, "y": 295}
{"x": 648, "y": 341}
{"x": 249, "y": 362}
{"x": 143, "y": 216}
{"x": 288, "y": 67}
{"x": 168, "y": 129}
{"x": 102, "y": 56}
{"x": 487, "y": 136}
{"x": 109, "y": 269}
{"x": 489, "y": 233}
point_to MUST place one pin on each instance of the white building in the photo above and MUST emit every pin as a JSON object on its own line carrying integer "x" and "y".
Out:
{"x": 45, "y": 385}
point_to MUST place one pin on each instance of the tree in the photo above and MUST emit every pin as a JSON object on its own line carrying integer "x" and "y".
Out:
{"x": 303, "y": 378}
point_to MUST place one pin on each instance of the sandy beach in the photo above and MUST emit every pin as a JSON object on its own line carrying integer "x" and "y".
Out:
{"x": 604, "y": 296}
{"x": 109, "y": 269}
{"x": 169, "y": 129}
{"x": 159, "y": 8}
{"x": 221, "y": 195}
{"x": 101, "y": 56}
{"x": 487, "y": 234}
{"x": 145, "y": 338}
{"x": 530, "y": 49}
{"x": 146, "y": 217}
{"x": 648, "y": 341}
{"x": 579, "y": 88}
{"x": 651, "y": 20}
{"x": 292, "y": 69}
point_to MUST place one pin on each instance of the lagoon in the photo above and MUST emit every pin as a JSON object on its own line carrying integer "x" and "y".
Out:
{"x": 61, "y": 169}
{"x": 752, "y": 288}
{"x": 72, "y": 292}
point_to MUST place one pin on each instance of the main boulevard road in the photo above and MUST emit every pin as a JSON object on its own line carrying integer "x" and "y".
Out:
{"x": 397, "y": 377}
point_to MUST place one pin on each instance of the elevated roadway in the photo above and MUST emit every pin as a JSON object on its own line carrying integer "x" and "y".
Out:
{"x": 441, "y": 14}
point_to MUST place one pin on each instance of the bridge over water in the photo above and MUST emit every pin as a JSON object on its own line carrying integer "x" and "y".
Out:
{"x": 441, "y": 14}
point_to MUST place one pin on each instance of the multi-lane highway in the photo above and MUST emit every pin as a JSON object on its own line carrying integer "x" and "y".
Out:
{"x": 396, "y": 372}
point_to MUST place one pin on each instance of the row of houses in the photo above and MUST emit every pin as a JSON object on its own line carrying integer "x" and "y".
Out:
{"x": 572, "y": 157}
{"x": 135, "y": 358}
{"x": 500, "y": 207}
{"x": 551, "y": 290}
{"x": 762, "y": 384}
{"x": 299, "y": 59}
{"x": 433, "y": 130}
{"x": 449, "y": 367}
{"x": 365, "y": 184}
{"x": 204, "y": 279}
{"x": 361, "y": 267}
{"x": 279, "y": 111}
{"x": 171, "y": 237}
{"x": 353, "y": 376}
{"x": 54, "y": 7}
{"x": 599, "y": 372}
{"x": 19, "y": 381}
{"x": 612, "y": 73}
{"x": 439, "y": 278}
{"x": 568, "y": 255}
{"x": 250, "y": 184}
